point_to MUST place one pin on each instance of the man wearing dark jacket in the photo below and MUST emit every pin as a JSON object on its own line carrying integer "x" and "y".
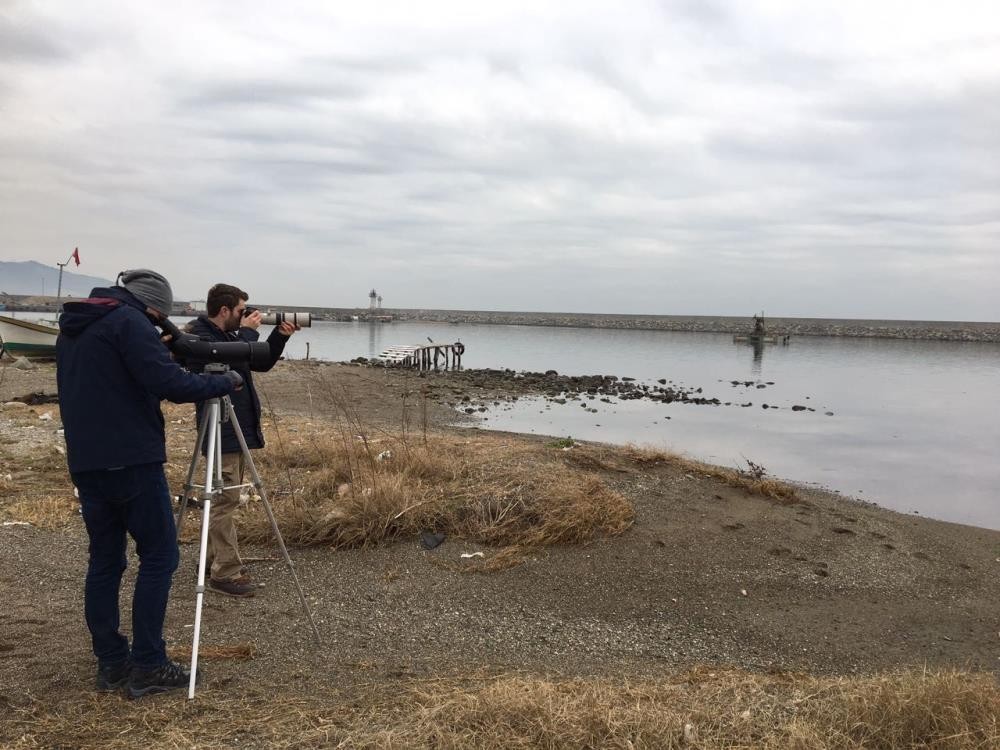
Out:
{"x": 112, "y": 370}
{"x": 227, "y": 320}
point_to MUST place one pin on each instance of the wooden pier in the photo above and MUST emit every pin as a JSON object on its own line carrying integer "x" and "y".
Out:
{"x": 425, "y": 356}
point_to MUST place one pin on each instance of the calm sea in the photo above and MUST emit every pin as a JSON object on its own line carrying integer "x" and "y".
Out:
{"x": 915, "y": 425}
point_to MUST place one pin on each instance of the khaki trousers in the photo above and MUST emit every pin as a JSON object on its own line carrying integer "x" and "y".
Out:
{"x": 223, "y": 546}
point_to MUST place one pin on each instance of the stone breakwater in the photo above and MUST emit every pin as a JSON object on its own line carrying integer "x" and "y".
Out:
{"x": 890, "y": 329}
{"x": 935, "y": 330}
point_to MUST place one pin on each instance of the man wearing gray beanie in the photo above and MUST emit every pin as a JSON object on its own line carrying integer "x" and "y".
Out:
{"x": 112, "y": 370}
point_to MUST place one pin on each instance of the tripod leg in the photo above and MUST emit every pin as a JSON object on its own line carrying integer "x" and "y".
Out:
{"x": 188, "y": 484}
{"x": 214, "y": 437}
{"x": 259, "y": 486}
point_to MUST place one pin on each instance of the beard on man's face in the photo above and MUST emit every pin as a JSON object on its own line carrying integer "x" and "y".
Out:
{"x": 233, "y": 321}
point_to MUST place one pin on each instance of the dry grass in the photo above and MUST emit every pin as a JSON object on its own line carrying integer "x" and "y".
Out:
{"x": 494, "y": 491}
{"x": 699, "y": 709}
{"x": 753, "y": 482}
{"x": 34, "y": 484}
{"x": 45, "y": 511}
{"x": 490, "y": 490}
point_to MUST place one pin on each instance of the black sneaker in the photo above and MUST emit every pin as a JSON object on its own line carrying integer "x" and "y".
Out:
{"x": 169, "y": 676}
{"x": 113, "y": 676}
{"x": 241, "y": 587}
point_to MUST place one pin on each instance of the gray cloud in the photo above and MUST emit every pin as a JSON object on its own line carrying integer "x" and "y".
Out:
{"x": 265, "y": 93}
{"x": 26, "y": 43}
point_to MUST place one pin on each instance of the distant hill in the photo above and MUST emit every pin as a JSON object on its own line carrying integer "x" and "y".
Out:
{"x": 31, "y": 277}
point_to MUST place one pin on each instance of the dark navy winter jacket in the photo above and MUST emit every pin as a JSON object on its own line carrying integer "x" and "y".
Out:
{"x": 112, "y": 370}
{"x": 246, "y": 403}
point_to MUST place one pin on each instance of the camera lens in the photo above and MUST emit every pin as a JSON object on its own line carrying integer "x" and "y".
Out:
{"x": 303, "y": 320}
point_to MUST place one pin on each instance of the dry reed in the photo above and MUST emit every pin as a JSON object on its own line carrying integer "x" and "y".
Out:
{"x": 704, "y": 708}
{"x": 361, "y": 490}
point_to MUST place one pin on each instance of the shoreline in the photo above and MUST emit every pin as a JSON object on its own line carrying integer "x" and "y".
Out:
{"x": 458, "y": 400}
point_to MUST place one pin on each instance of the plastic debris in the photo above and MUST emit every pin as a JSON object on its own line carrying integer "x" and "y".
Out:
{"x": 384, "y": 456}
{"x": 467, "y": 555}
{"x": 23, "y": 363}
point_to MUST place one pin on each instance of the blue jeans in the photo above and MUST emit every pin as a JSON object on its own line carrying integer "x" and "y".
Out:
{"x": 136, "y": 500}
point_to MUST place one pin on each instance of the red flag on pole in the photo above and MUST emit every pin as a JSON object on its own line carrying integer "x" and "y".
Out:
{"x": 76, "y": 255}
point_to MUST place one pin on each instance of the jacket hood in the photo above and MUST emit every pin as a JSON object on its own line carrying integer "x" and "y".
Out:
{"x": 76, "y": 316}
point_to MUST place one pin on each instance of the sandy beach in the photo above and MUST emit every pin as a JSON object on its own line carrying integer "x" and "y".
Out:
{"x": 708, "y": 575}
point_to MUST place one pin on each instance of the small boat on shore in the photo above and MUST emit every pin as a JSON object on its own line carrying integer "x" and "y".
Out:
{"x": 25, "y": 338}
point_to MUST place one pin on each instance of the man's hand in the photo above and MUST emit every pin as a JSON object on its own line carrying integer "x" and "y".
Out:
{"x": 287, "y": 329}
{"x": 252, "y": 320}
{"x": 235, "y": 378}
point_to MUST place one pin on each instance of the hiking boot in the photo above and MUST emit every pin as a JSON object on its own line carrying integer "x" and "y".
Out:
{"x": 169, "y": 676}
{"x": 240, "y": 587}
{"x": 113, "y": 676}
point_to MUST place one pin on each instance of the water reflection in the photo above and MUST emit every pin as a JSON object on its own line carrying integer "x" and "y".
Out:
{"x": 758, "y": 357}
{"x": 757, "y": 346}
{"x": 373, "y": 328}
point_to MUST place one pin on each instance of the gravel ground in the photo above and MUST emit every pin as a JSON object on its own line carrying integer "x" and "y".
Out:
{"x": 707, "y": 575}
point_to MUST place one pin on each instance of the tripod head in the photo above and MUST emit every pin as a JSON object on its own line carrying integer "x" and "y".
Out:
{"x": 219, "y": 368}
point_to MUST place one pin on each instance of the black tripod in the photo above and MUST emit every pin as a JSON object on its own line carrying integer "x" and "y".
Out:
{"x": 217, "y": 411}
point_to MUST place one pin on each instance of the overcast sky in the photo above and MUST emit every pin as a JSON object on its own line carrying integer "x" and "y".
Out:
{"x": 836, "y": 159}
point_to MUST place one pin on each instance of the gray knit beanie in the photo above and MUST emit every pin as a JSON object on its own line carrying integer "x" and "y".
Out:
{"x": 149, "y": 287}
